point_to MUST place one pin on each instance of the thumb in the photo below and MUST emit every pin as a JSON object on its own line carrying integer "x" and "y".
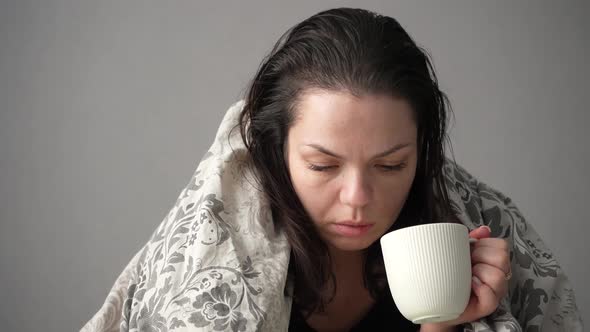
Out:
{"x": 481, "y": 232}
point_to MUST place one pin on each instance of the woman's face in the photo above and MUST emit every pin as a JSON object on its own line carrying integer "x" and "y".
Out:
{"x": 352, "y": 162}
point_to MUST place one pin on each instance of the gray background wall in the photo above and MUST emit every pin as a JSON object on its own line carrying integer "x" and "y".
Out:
{"x": 106, "y": 108}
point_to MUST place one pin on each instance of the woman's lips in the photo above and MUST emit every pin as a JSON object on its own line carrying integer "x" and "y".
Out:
{"x": 350, "y": 230}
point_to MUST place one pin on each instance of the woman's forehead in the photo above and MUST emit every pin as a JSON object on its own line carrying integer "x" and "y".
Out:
{"x": 321, "y": 115}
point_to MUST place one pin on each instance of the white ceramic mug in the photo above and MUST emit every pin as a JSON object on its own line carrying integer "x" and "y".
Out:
{"x": 429, "y": 270}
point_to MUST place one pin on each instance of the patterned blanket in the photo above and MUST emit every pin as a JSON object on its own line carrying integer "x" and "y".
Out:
{"x": 215, "y": 263}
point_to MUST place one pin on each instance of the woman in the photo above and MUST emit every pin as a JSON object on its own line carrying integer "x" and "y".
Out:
{"x": 346, "y": 124}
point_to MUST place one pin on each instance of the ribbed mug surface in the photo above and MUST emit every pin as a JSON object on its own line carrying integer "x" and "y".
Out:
{"x": 429, "y": 270}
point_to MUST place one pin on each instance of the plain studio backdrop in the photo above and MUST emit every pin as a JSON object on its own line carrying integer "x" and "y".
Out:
{"x": 106, "y": 108}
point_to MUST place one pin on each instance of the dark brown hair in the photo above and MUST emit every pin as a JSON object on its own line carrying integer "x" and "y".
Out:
{"x": 362, "y": 53}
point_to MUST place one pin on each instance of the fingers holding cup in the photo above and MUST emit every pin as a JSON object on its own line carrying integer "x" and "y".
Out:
{"x": 495, "y": 255}
{"x": 493, "y": 277}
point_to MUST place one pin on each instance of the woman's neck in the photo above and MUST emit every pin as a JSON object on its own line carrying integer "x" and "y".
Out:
{"x": 348, "y": 266}
{"x": 351, "y": 300}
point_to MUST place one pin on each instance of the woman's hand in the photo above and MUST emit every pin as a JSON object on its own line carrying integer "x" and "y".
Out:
{"x": 490, "y": 265}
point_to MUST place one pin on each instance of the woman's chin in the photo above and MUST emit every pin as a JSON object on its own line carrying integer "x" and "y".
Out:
{"x": 351, "y": 244}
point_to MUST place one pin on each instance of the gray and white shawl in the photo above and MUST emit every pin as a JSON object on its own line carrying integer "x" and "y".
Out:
{"x": 215, "y": 263}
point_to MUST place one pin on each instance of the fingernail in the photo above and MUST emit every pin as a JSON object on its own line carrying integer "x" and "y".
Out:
{"x": 488, "y": 227}
{"x": 476, "y": 280}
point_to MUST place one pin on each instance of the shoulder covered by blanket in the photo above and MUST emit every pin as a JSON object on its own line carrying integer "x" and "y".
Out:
{"x": 215, "y": 263}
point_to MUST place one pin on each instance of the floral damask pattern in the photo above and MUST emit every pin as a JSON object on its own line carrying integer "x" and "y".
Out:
{"x": 219, "y": 307}
{"x": 216, "y": 262}
{"x": 535, "y": 270}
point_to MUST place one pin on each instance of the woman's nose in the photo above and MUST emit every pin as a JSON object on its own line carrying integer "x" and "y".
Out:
{"x": 356, "y": 189}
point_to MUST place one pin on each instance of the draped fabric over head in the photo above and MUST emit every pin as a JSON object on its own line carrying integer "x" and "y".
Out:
{"x": 217, "y": 263}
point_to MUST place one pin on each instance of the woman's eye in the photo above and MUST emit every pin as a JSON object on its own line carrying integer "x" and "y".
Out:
{"x": 389, "y": 168}
{"x": 318, "y": 168}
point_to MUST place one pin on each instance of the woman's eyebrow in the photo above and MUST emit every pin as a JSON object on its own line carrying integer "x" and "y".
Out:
{"x": 379, "y": 155}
